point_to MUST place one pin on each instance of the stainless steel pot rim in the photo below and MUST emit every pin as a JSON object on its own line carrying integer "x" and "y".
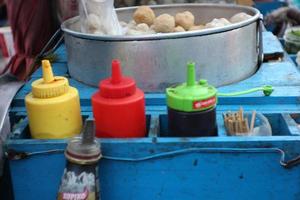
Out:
{"x": 161, "y": 36}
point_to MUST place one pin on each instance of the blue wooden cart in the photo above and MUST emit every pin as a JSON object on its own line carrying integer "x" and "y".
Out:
{"x": 163, "y": 167}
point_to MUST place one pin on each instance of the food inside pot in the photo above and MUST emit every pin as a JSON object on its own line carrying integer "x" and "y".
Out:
{"x": 144, "y": 22}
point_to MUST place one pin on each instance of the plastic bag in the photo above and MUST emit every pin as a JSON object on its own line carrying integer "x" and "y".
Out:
{"x": 99, "y": 17}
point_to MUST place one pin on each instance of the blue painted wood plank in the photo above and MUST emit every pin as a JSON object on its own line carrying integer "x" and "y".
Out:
{"x": 199, "y": 174}
{"x": 62, "y": 54}
{"x": 284, "y": 142}
{"x": 195, "y": 176}
{"x": 274, "y": 73}
{"x": 271, "y": 45}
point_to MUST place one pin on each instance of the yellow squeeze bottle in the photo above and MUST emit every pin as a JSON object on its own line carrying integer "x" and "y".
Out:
{"x": 53, "y": 107}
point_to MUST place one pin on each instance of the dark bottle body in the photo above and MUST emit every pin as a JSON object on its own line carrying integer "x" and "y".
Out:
{"x": 80, "y": 182}
{"x": 192, "y": 124}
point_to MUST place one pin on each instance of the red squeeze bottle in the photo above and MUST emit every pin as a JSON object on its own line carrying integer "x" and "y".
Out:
{"x": 119, "y": 107}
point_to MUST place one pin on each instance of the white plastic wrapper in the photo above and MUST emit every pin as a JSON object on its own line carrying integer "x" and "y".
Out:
{"x": 99, "y": 17}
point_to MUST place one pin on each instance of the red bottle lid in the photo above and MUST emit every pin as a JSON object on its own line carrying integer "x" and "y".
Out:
{"x": 118, "y": 86}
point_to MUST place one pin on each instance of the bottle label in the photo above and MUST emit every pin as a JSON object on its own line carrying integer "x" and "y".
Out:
{"x": 77, "y": 196}
{"x": 79, "y": 182}
{"x": 204, "y": 103}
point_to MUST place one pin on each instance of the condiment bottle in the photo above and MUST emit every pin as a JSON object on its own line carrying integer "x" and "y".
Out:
{"x": 192, "y": 107}
{"x": 119, "y": 107}
{"x": 53, "y": 107}
{"x": 80, "y": 179}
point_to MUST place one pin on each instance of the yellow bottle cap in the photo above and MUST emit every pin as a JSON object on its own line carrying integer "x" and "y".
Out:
{"x": 49, "y": 86}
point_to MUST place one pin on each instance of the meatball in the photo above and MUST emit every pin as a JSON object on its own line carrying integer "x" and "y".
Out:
{"x": 164, "y": 24}
{"x": 185, "y": 19}
{"x": 144, "y": 14}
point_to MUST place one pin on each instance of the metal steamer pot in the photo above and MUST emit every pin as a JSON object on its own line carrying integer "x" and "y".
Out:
{"x": 224, "y": 55}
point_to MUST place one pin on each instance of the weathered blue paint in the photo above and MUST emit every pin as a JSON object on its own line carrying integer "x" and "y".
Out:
{"x": 271, "y": 45}
{"x": 220, "y": 167}
{"x": 211, "y": 175}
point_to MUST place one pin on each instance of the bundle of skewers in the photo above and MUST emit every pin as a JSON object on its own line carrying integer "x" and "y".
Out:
{"x": 237, "y": 124}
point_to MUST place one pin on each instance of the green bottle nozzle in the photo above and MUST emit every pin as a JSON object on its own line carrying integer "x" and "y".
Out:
{"x": 267, "y": 90}
{"x": 191, "y": 74}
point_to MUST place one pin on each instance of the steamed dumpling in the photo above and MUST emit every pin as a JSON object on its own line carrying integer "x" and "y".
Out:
{"x": 239, "y": 17}
{"x": 215, "y": 23}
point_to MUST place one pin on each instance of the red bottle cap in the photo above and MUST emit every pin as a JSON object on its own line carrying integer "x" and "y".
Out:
{"x": 118, "y": 86}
